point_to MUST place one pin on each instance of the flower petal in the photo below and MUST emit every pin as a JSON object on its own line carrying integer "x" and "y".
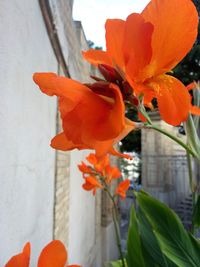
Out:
{"x": 96, "y": 57}
{"x": 173, "y": 99}
{"x": 90, "y": 120}
{"x": 114, "y": 40}
{"x": 175, "y": 30}
{"x": 137, "y": 45}
{"x": 22, "y": 259}
{"x": 94, "y": 118}
{"x": 61, "y": 142}
{"x": 53, "y": 255}
{"x": 122, "y": 188}
{"x": 195, "y": 110}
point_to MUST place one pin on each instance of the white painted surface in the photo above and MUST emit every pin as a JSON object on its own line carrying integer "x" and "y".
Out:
{"x": 82, "y": 216}
{"x": 27, "y": 119}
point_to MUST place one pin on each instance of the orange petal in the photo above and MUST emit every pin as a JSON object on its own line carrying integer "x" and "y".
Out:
{"x": 141, "y": 117}
{"x": 92, "y": 159}
{"x": 89, "y": 120}
{"x": 87, "y": 186}
{"x": 22, "y": 259}
{"x": 61, "y": 142}
{"x": 195, "y": 110}
{"x": 97, "y": 57}
{"x": 95, "y": 119}
{"x": 191, "y": 86}
{"x": 173, "y": 99}
{"x": 53, "y": 255}
{"x": 114, "y": 40}
{"x": 175, "y": 30}
{"x": 137, "y": 45}
{"x": 93, "y": 181}
{"x": 84, "y": 168}
{"x": 122, "y": 188}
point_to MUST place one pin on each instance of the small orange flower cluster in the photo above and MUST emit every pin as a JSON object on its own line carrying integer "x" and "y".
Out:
{"x": 100, "y": 174}
{"x": 53, "y": 255}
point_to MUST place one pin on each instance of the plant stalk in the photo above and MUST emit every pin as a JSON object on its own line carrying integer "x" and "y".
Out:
{"x": 115, "y": 216}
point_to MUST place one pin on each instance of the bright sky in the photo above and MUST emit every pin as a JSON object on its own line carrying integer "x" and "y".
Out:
{"x": 93, "y": 14}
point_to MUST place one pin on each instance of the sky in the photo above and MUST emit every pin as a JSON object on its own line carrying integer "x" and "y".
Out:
{"x": 93, "y": 14}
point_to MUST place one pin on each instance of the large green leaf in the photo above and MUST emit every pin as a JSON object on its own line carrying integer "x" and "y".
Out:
{"x": 173, "y": 239}
{"x": 150, "y": 247}
{"x": 134, "y": 247}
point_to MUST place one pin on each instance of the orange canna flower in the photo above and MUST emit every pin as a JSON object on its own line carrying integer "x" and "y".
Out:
{"x": 122, "y": 188}
{"x": 100, "y": 170}
{"x": 98, "y": 163}
{"x": 90, "y": 120}
{"x": 111, "y": 173}
{"x": 91, "y": 183}
{"x": 52, "y": 255}
{"x": 146, "y": 46}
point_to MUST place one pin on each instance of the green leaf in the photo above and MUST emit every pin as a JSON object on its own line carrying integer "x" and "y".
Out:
{"x": 134, "y": 247}
{"x": 151, "y": 249}
{"x": 173, "y": 239}
{"x": 196, "y": 213}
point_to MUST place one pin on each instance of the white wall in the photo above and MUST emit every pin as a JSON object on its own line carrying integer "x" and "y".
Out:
{"x": 81, "y": 216}
{"x": 27, "y": 121}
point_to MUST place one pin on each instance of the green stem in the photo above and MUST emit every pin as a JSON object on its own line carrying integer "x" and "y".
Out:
{"x": 189, "y": 161}
{"x": 176, "y": 139}
{"x": 115, "y": 216}
{"x": 158, "y": 129}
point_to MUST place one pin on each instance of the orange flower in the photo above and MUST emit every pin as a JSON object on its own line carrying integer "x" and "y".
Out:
{"x": 111, "y": 173}
{"x": 98, "y": 163}
{"x": 53, "y": 255}
{"x": 90, "y": 120}
{"x": 146, "y": 46}
{"x": 91, "y": 183}
{"x": 122, "y": 188}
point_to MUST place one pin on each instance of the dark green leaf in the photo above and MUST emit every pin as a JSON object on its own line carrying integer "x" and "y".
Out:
{"x": 134, "y": 249}
{"x": 173, "y": 239}
{"x": 151, "y": 249}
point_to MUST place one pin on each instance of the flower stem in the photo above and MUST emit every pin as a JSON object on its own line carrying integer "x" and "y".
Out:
{"x": 173, "y": 137}
{"x": 115, "y": 216}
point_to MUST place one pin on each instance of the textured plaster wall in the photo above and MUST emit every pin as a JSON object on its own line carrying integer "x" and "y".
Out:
{"x": 27, "y": 119}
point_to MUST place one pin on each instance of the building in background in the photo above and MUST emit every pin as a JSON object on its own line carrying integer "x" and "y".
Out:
{"x": 41, "y": 194}
{"x": 164, "y": 164}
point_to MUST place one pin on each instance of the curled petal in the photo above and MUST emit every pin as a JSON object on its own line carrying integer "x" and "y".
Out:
{"x": 53, "y": 255}
{"x": 175, "y": 30}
